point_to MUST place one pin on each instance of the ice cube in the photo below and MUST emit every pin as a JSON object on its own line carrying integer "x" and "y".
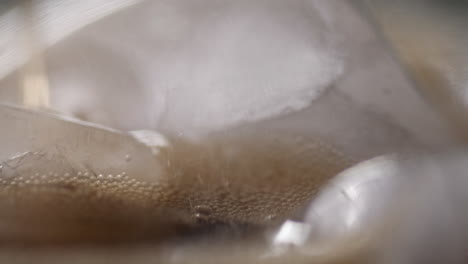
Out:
{"x": 81, "y": 146}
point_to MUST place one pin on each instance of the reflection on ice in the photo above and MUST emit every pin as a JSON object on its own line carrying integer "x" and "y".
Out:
{"x": 355, "y": 199}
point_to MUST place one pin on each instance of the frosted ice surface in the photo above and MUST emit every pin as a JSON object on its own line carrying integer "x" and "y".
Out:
{"x": 194, "y": 71}
{"x": 249, "y": 64}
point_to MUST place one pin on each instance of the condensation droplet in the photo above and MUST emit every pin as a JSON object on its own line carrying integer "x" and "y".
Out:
{"x": 128, "y": 158}
{"x": 66, "y": 174}
{"x": 100, "y": 176}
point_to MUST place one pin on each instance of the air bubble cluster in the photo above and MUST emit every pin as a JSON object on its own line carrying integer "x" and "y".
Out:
{"x": 80, "y": 183}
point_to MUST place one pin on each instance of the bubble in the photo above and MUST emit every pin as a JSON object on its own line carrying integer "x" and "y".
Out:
{"x": 100, "y": 176}
{"x": 66, "y": 174}
{"x": 202, "y": 211}
{"x": 86, "y": 174}
{"x": 270, "y": 217}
